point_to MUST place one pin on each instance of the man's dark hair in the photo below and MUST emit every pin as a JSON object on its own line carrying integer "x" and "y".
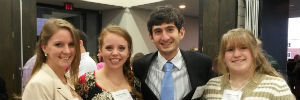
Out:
{"x": 83, "y": 37}
{"x": 165, "y": 14}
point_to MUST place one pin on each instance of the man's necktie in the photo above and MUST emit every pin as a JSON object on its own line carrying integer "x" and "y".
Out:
{"x": 167, "y": 84}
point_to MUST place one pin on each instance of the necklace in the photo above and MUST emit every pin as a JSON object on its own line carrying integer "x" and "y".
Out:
{"x": 240, "y": 87}
{"x": 109, "y": 85}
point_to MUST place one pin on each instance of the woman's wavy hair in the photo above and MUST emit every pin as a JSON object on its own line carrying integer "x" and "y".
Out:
{"x": 242, "y": 37}
{"x": 51, "y": 27}
{"x": 117, "y": 30}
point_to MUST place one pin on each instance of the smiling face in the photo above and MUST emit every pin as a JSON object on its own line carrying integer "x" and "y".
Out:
{"x": 114, "y": 50}
{"x": 60, "y": 49}
{"x": 238, "y": 59}
{"x": 166, "y": 38}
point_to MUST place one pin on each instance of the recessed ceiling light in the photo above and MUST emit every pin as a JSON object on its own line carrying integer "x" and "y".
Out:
{"x": 182, "y": 6}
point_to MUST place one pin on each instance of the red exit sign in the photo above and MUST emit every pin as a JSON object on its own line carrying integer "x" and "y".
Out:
{"x": 68, "y": 6}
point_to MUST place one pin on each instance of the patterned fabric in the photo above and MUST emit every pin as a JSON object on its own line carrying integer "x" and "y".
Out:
{"x": 261, "y": 87}
{"x": 88, "y": 89}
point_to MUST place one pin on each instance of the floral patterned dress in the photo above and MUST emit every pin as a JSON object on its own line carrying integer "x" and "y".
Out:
{"x": 88, "y": 89}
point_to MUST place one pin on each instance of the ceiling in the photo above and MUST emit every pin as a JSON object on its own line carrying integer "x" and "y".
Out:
{"x": 191, "y": 9}
{"x": 80, "y": 4}
{"x": 191, "y": 5}
{"x": 294, "y": 8}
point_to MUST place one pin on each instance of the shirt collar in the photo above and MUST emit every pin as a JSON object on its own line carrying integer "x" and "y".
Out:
{"x": 85, "y": 53}
{"x": 177, "y": 61}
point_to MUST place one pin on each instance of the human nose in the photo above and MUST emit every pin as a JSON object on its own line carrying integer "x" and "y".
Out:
{"x": 236, "y": 53}
{"x": 165, "y": 36}
{"x": 67, "y": 49}
{"x": 115, "y": 52}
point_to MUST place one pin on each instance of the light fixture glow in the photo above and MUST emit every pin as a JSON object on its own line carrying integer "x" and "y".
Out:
{"x": 182, "y": 6}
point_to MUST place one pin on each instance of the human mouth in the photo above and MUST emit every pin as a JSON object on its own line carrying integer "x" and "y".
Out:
{"x": 238, "y": 60}
{"x": 65, "y": 58}
{"x": 166, "y": 44}
{"x": 115, "y": 60}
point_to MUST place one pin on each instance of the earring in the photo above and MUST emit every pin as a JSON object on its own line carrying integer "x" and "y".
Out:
{"x": 45, "y": 54}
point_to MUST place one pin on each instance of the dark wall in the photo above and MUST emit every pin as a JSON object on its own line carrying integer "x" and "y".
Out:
{"x": 29, "y": 28}
{"x": 10, "y": 45}
{"x": 274, "y": 28}
{"x": 92, "y": 31}
{"x": 10, "y": 41}
{"x": 85, "y": 20}
{"x": 217, "y": 17}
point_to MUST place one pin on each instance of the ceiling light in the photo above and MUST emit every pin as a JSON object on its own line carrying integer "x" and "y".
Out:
{"x": 182, "y": 6}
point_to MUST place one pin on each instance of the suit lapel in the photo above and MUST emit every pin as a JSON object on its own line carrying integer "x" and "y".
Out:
{"x": 188, "y": 59}
{"x": 63, "y": 90}
{"x": 148, "y": 93}
{"x": 189, "y": 66}
{"x": 59, "y": 86}
{"x": 147, "y": 64}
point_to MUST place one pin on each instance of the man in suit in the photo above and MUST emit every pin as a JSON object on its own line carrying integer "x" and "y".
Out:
{"x": 189, "y": 69}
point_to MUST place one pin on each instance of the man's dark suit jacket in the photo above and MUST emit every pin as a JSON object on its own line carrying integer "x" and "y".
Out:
{"x": 198, "y": 68}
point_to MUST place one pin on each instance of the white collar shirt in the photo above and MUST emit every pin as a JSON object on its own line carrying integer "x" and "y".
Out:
{"x": 182, "y": 85}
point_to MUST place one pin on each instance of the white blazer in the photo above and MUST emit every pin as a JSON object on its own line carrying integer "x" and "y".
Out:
{"x": 45, "y": 85}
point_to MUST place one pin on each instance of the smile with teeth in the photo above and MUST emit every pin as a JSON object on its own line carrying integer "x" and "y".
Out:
{"x": 65, "y": 58}
{"x": 114, "y": 60}
{"x": 239, "y": 60}
{"x": 166, "y": 44}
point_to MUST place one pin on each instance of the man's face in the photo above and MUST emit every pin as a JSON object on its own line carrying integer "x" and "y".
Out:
{"x": 166, "y": 38}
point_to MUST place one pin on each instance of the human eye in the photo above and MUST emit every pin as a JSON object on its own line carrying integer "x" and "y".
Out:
{"x": 157, "y": 31}
{"x": 171, "y": 29}
{"x": 58, "y": 44}
{"x": 244, "y": 47}
{"x": 109, "y": 48}
{"x": 71, "y": 44}
{"x": 229, "y": 49}
{"x": 122, "y": 48}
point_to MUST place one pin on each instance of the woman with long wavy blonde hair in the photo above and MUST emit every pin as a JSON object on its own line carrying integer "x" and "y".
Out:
{"x": 246, "y": 73}
{"x": 57, "y": 51}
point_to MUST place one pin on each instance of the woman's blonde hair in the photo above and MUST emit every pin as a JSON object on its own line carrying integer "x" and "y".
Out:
{"x": 242, "y": 37}
{"x": 117, "y": 30}
{"x": 50, "y": 28}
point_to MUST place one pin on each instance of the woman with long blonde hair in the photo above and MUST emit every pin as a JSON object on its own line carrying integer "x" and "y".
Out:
{"x": 246, "y": 73}
{"x": 57, "y": 51}
{"x": 116, "y": 77}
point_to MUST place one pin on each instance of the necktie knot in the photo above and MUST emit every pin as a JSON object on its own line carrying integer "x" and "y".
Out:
{"x": 168, "y": 67}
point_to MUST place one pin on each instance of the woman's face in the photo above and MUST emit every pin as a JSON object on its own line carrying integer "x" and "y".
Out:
{"x": 238, "y": 59}
{"x": 60, "y": 49}
{"x": 114, "y": 51}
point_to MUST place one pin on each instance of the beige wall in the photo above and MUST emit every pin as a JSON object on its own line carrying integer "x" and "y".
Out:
{"x": 135, "y": 21}
{"x": 191, "y": 37}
